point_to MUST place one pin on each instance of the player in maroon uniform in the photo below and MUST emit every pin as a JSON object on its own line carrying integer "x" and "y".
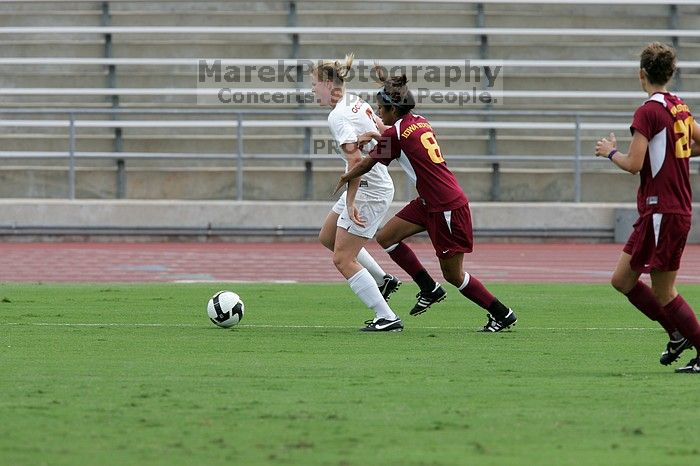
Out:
{"x": 441, "y": 208}
{"x": 663, "y": 133}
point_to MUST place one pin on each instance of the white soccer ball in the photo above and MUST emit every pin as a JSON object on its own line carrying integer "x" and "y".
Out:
{"x": 225, "y": 309}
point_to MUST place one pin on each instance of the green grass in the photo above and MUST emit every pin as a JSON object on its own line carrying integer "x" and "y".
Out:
{"x": 577, "y": 381}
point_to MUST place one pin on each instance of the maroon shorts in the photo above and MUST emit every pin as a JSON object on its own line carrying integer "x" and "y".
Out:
{"x": 657, "y": 242}
{"x": 450, "y": 231}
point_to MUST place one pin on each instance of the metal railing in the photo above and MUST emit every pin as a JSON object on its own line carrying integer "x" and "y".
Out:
{"x": 361, "y": 31}
{"x": 573, "y": 123}
{"x": 533, "y": 2}
{"x": 213, "y": 92}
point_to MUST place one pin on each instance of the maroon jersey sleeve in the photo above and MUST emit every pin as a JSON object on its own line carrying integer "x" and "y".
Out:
{"x": 387, "y": 148}
{"x": 645, "y": 120}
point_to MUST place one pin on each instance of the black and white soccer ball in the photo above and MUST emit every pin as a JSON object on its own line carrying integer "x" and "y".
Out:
{"x": 225, "y": 309}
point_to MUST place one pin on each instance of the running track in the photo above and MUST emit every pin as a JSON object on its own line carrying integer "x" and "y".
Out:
{"x": 302, "y": 262}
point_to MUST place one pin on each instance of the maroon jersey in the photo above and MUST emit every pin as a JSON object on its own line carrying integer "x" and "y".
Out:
{"x": 411, "y": 140}
{"x": 665, "y": 179}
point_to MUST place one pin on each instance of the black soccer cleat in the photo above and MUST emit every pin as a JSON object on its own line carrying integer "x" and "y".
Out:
{"x": 383, "y": 325}
{"x": 693, "y": 367}
{"x": 673, "y": 350}
{"x": 390, "y": 285}
{"x": 496, "y": 325}
{"x": 425, "y": 300}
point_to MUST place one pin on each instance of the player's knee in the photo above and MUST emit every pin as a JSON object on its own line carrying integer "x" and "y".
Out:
{"x": 453, "y": 278}
{"x": 383, "y": 240}
{"x": 341, "y": 260}
{"x": 621, "y": 284}
{"x": 325, "y": 240}
{"x": 663, "y": 295}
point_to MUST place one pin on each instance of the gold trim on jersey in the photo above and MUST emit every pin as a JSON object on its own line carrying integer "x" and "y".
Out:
{"x": 411, "y": 128}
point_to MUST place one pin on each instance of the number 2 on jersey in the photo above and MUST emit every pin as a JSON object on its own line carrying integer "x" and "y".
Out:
{"x": 682, "y": 128}
{"x": 430, "y": 143}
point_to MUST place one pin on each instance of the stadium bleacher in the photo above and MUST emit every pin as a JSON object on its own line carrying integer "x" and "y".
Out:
{"x": 61, "y": 60}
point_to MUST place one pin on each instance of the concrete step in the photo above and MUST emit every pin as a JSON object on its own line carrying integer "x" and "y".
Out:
{"x": 81, "y": 47}
{"x": 546, "y": 218}
{"x": 288, "y": 183}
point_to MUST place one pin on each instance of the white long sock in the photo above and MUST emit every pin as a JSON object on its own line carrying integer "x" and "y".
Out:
{"x": 465, "y": 282}
{"x": 367, "y": 261}
{"x": 362, "y": 284}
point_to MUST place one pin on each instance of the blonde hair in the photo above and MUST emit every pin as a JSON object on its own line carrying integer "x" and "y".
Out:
{"x": 333, "y": 70}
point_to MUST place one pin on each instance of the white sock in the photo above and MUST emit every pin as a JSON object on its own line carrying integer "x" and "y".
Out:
{"x": 391, "y": 248}
{"x": 368, "y": 262}
{"x": 465, "y": 282}
{"x": 362, "y": 284}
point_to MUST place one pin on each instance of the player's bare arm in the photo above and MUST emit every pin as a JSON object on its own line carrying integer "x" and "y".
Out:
{"x": 357, "y": 171}
{"x": 695, "y": 140}
{"x": 380, "y": 124}
{"x": 632, "y": 161}
{"x": 364, "y": 138}
{"x": 353, "y": 156}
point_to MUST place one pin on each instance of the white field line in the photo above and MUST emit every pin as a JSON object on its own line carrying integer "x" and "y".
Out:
{"x": 258, "y": 282}
{"x": 158, "y": 325}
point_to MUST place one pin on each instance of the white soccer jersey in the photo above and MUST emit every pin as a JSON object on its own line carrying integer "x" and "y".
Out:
{"x": 350, "y": 118}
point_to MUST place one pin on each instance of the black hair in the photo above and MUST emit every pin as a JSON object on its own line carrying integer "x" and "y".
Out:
{"x": 395, "y": 92}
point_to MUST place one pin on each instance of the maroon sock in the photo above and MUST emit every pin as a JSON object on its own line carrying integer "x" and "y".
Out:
{"x": 643, "y": 298}
{"x": 406, "y": 259}
{"x": 685, "y": 320}
{"x": 478, "y": 293}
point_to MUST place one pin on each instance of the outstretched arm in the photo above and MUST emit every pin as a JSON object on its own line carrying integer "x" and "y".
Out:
{"x": 380, "y": 124}
{"x": 364, "y": 138}
{"x": 631, "y": 162}
{"x": 695, "y": 142}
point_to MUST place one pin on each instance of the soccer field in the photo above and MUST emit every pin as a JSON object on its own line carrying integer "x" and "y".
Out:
{"x": 137, "y": 374}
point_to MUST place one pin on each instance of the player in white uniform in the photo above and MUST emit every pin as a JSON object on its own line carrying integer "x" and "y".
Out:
{"x": 359, "y": 212}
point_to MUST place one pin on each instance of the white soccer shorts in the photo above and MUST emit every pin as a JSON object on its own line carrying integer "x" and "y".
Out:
{"x": 372, "y": 211}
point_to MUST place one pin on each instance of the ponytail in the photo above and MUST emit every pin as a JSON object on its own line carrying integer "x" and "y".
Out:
{"x": 336, "y": 71}
{"x": 395, "y": 92}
